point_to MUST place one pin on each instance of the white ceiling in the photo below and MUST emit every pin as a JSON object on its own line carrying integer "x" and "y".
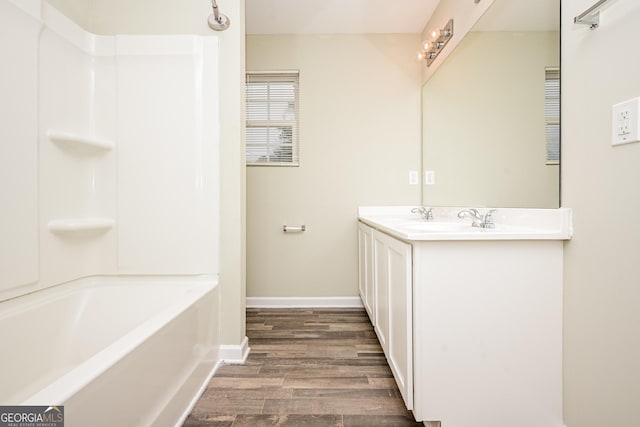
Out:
{"x": 510, "y": 15}
{"x": 336, "y": 16}
{"x": 387, "y": 16}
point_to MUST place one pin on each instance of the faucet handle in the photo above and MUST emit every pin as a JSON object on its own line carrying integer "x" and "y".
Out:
{"x": 488, "y": 219}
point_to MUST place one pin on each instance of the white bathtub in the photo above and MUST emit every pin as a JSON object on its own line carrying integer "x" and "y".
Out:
{"x": 113, "y": 350}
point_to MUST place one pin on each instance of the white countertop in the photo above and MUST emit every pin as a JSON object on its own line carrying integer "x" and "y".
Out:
{"x": 510, "y": 224}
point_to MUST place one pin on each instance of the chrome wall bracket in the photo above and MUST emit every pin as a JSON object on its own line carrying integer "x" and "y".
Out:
{"x": 290, "y": 229}
{"x": 591, "y": 16}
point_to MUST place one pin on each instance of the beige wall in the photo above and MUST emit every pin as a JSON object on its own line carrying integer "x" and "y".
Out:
{"x": 140, "y": 16}
{"x": 599, "y": 182}
{"x": 190, "y": 17}
{"x": 78, "y": 11}
{"x": 359, "y": 137}
{"x": 483, "y": 123}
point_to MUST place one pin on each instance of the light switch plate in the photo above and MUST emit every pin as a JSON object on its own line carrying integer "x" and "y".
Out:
{"x": 429, "y": 177}
{"x": 625, "y": 122}
{"x": 413, "y": 178}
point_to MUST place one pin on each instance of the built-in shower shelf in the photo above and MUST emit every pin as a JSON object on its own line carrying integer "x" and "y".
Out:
{"x": 79, "y": 141}
{"x": 73, "y": 225}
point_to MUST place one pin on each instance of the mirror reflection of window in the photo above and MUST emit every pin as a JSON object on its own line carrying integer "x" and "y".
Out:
{"x": 552, "y": 114}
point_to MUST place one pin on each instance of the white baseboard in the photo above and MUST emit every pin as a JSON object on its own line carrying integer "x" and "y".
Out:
{"x": 235, "y": 354}
{"x": 300, "y": 302}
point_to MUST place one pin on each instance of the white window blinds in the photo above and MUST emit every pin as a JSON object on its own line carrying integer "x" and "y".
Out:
{"x": 272, "y": 119}
{"x": 552, "y": 114}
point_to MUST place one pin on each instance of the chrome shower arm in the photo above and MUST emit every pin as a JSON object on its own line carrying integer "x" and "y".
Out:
{"x": 218, "y": 21}
{"x": 216, "y": 14}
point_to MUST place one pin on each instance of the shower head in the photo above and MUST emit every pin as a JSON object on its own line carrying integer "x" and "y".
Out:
{"x": 217, "y": 21}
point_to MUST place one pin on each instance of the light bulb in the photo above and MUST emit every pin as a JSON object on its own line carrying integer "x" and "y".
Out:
{"x": 421, "y": 55}
{"x": 436, "y": 34}
{"x": 426, "y": 45}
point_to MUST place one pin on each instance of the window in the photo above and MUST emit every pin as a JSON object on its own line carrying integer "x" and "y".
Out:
{"x": 552, "y": 114}
{"x": 272, "y": 119}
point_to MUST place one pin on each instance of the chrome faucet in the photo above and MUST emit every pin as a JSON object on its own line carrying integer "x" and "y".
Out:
{"x": 479, "y": 220}
{"x": 426, "y": 214}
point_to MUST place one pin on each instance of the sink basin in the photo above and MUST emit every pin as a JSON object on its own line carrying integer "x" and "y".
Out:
{"x": 437, "y": 227}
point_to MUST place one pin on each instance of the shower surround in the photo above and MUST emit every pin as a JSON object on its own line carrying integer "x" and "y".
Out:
{"x": 109, "y": 160}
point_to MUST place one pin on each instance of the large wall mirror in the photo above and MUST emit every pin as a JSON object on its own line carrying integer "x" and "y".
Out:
{"x": 491, "y": 109}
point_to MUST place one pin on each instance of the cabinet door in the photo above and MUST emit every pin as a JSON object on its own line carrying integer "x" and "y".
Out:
{"x": 392, "y": 306}
{"x": 365, "y": 263}
{"x": 381, "y": 290}
{"x": 400, "y": 347}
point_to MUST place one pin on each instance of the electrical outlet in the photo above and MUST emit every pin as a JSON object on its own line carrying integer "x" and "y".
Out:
{"x": 625, "y": 122}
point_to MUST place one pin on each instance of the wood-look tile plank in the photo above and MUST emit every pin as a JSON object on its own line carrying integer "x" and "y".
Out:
{"x": 376, "y": 406}
{"x": 323, "y": 382}
{"x": 382, "y": 382}
{"x": 341, "y": 393}
{"x": 322, "y": 361}
{"x": 288, "y": 336}
{"x": 288, "y": 420}
{"x": 287, "y": 341}
{"x": 245, "y": 382}
{"x": 258, "y": 327}
{"x": 279, "y": 347}
{"x": 350, "y": 327}
{"x": 209, "y": 420}
{"x": 248, "y": 393}
{"x": 379, "y": 421}
{"x": 238, "y": 370}
{"x": 375, "y": 371}
{"x": 332, "y": 351}
{"x": 229, "y": 406}
{"x": 303, "y": 372}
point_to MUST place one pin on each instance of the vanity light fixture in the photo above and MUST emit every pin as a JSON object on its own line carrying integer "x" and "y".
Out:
{"x": 430, "y": 49}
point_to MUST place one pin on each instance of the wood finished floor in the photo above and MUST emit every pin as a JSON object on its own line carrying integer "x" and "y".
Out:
{"x": 307, "y": 367}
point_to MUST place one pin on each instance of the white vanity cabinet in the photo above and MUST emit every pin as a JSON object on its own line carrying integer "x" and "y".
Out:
{"x": 386, "y": 291}
{"x": 470, "y": 319}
